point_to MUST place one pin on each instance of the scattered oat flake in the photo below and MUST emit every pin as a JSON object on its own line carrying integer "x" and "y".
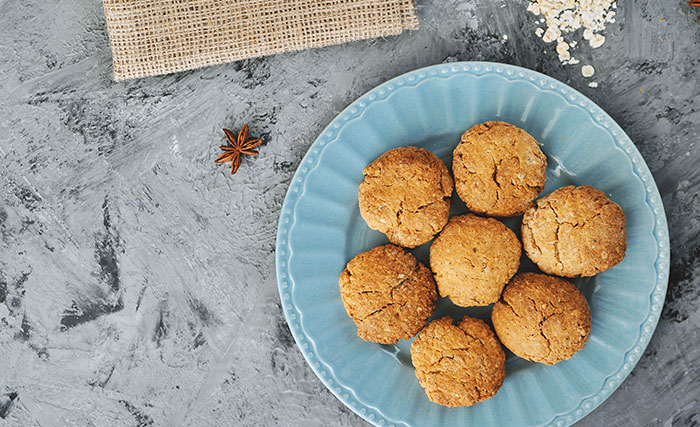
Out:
{"x": 563, "y": 18}
{"x": 587, "y": 71}
{"x": 563, "y": 51}
{"x": 593, "y": 84}
{"x": 552, "y": 33}
{"x": 596, "y": 41}
{"x": 505, "y": 36}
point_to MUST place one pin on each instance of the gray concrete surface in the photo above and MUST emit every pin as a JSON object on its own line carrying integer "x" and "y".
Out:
{"x": 137, "y": 282}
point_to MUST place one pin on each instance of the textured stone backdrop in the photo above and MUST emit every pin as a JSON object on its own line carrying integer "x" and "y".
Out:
{"x": 137, "y": 282}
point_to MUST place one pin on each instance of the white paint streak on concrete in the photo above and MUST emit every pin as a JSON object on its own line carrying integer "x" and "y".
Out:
{"x": 137, "y": 279}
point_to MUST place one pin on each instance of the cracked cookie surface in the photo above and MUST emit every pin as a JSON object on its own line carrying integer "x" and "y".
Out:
{"x": 388, "y": 293}
{"x": 574, "y": 231}
{"x": 406, "y": 195}
{"x": 498, "y": 169}
{"x": 473, "y": 259}
{"x": 542, "y": 318}
{"x": 458, "y": 365}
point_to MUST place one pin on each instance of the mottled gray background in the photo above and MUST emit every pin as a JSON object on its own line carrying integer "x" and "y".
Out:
{"x": 137, "y": 282}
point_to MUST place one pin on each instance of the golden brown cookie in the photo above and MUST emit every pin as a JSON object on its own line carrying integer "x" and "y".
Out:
{"x": 458, "y": 365}
{"x": 473, "y": 259}
{"x": 542, "y": 318}
{"x": 388, "y": 294}
{"x": 499, "y": 169}
{"x": 406, "y": 195}
{"x": 574, "y": 231}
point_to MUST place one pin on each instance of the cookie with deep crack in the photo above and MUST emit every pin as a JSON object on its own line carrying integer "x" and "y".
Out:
{"x": 498, "y": 169}
{"x": 575, "y": 231}
{"x": 542, "y": 318}
{"x": 388, "y": 293}
{"x": 458, "y": 365}
{"x": 406, "y": 195}
{"x": 473, "y": 259}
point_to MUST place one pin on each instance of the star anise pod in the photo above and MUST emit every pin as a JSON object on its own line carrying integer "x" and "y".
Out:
{"x": 695, "y": 3}
{"x": 238, "y": 145}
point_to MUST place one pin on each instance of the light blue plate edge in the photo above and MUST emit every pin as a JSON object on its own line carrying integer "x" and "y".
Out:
{"x": 543, "y": 83}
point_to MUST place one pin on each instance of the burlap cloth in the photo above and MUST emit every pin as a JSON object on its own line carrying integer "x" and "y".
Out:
{"x": 151, "y": 37}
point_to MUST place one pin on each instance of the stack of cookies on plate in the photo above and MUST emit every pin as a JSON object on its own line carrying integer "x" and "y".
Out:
{"x": 499, "y": 171}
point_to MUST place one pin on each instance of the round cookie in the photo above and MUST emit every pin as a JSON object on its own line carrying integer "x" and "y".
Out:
{"x": 458, "y": 365}
{"x": 542, "y": 318}
{"x": 473, "y": 259}
{"x": 498, "y": 169}
{"x": 574, "y": 231}
{"x": 406, "y": 195}
{"x": 388, "y": 293}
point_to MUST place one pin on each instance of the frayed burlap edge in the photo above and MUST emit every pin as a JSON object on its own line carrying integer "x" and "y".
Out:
{"x": 152, "y": 37}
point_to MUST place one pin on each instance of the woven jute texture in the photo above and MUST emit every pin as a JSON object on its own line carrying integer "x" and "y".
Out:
{"x": 151, "y": 37}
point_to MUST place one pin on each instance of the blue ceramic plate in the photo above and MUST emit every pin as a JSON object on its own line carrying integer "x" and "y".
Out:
{"x": 320, "y": 230}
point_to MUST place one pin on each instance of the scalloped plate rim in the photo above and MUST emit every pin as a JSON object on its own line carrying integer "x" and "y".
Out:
{"x": 381, "y": 93}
